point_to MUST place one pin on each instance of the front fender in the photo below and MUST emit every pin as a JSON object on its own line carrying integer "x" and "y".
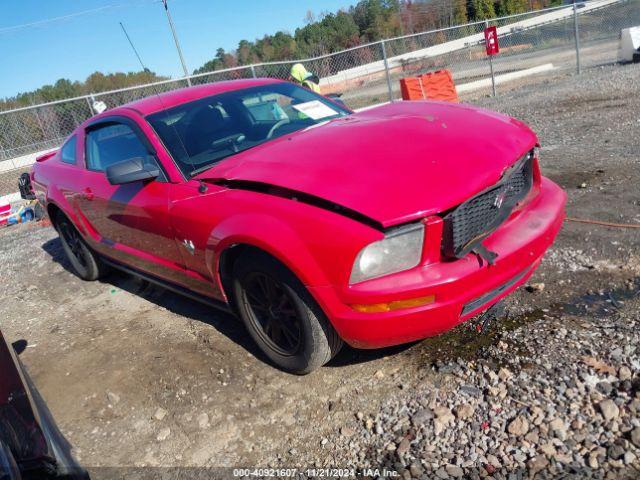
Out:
{"x": 317, "y": 245}
{"x": 270, "y": 234}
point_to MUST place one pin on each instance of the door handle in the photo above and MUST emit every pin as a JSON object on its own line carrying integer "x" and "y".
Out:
{"x": 87, "y": 194}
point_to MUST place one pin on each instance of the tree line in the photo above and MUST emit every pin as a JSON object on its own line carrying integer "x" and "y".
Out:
{"x": 94, "y": 83}
{"x": 367, "y": 21}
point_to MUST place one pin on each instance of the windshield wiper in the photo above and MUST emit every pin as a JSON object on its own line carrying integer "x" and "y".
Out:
{"x": 195, "y": 172}
{"x": 217, "y": 160}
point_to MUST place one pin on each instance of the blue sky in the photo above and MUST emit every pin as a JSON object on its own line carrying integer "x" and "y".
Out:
{"x": 88, "y": 37}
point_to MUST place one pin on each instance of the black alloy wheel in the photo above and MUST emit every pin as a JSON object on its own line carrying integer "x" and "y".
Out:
{"x": 85, "y": 262}
{"x": 72, "y": 238}
{"x": 280, "y": 314}
{"x": 273, "y": 312}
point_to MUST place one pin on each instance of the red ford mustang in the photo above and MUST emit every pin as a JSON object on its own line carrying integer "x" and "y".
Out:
{"x": 314, "y": 224}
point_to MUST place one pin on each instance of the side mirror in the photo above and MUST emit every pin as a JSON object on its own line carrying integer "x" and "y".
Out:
{"x": 131, "y": 170}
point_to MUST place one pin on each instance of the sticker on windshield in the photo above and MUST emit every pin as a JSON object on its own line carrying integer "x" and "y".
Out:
{"x": 315, "y": 110}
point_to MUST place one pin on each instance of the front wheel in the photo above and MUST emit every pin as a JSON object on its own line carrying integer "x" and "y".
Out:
{"x": 281, "y": 316}
{"x": 86, "y": 264}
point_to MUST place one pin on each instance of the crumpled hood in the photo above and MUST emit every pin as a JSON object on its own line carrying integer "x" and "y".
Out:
{"x": 394, "y": 163}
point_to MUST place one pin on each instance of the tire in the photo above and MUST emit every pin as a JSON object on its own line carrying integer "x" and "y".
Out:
{"x": 283, "y": 319}
{"x": 85, "y": 262}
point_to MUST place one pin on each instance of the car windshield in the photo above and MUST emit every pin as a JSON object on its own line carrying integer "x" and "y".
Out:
{"x": 201, "y": 133}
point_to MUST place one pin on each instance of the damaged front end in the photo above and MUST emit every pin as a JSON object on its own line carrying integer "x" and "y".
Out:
{"x": 468, "y": 224}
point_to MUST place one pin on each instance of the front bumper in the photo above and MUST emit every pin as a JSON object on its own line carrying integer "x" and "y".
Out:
{"x": 462, "y": 288}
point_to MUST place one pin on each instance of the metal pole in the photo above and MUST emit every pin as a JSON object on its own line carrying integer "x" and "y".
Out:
{"x": 253, "y": 71}
{"x": 91, "y": 112}
{"x": 44, "y": 134}
{"x": 175, "y": 39}
{"x": 39, "y": 120}
{"x": 576, "y": 33}
{"x": 493, "y": 78}
{"x": 386, "y": 69}
{"x": 3, "y": 155}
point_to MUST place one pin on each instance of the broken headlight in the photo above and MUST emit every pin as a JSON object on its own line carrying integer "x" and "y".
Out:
{"x": 399, "y": 250}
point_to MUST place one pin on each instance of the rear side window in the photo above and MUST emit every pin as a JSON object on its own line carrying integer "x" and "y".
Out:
{"x": 112, "y": 144}
{"x": 68, "y": 151}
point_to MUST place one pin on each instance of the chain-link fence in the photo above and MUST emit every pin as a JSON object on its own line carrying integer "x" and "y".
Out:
{"x": 531, "y": 45}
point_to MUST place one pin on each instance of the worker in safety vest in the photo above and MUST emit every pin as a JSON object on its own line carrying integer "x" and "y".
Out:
{"x": 305, "y": 78}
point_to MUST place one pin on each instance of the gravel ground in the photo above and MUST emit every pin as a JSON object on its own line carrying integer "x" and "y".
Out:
{"x": 139, "y": 377}
{"x": 557, "y": 395}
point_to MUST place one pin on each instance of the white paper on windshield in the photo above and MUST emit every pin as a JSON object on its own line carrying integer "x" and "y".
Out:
{"x": 315, "y": 110}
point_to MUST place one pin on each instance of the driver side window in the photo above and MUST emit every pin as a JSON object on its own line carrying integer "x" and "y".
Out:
{"x": 111, "y": 144}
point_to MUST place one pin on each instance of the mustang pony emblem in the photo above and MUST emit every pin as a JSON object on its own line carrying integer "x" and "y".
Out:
{"x": 500, "y": 198}
{"x": 188, "y": 244}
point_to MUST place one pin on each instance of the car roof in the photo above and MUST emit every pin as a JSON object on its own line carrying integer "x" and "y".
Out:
{"x": 162, "y": 101}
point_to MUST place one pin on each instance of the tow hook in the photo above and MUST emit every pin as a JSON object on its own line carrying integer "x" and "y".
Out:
{"x": 492, "y": 313}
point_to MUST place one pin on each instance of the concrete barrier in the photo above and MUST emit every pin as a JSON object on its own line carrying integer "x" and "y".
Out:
{"x": 505, "y": 77}
{"x": 23, "y": 161}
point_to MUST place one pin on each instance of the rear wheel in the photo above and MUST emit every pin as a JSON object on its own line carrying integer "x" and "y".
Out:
{"x": 281, "y": 316}
{"x": 86, "y": 263}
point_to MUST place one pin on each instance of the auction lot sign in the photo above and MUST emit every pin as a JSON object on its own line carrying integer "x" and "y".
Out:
{"x": 491, "y": 40}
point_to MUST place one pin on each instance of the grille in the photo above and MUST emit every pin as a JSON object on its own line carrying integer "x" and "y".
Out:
{"x": 471, "y": 222}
